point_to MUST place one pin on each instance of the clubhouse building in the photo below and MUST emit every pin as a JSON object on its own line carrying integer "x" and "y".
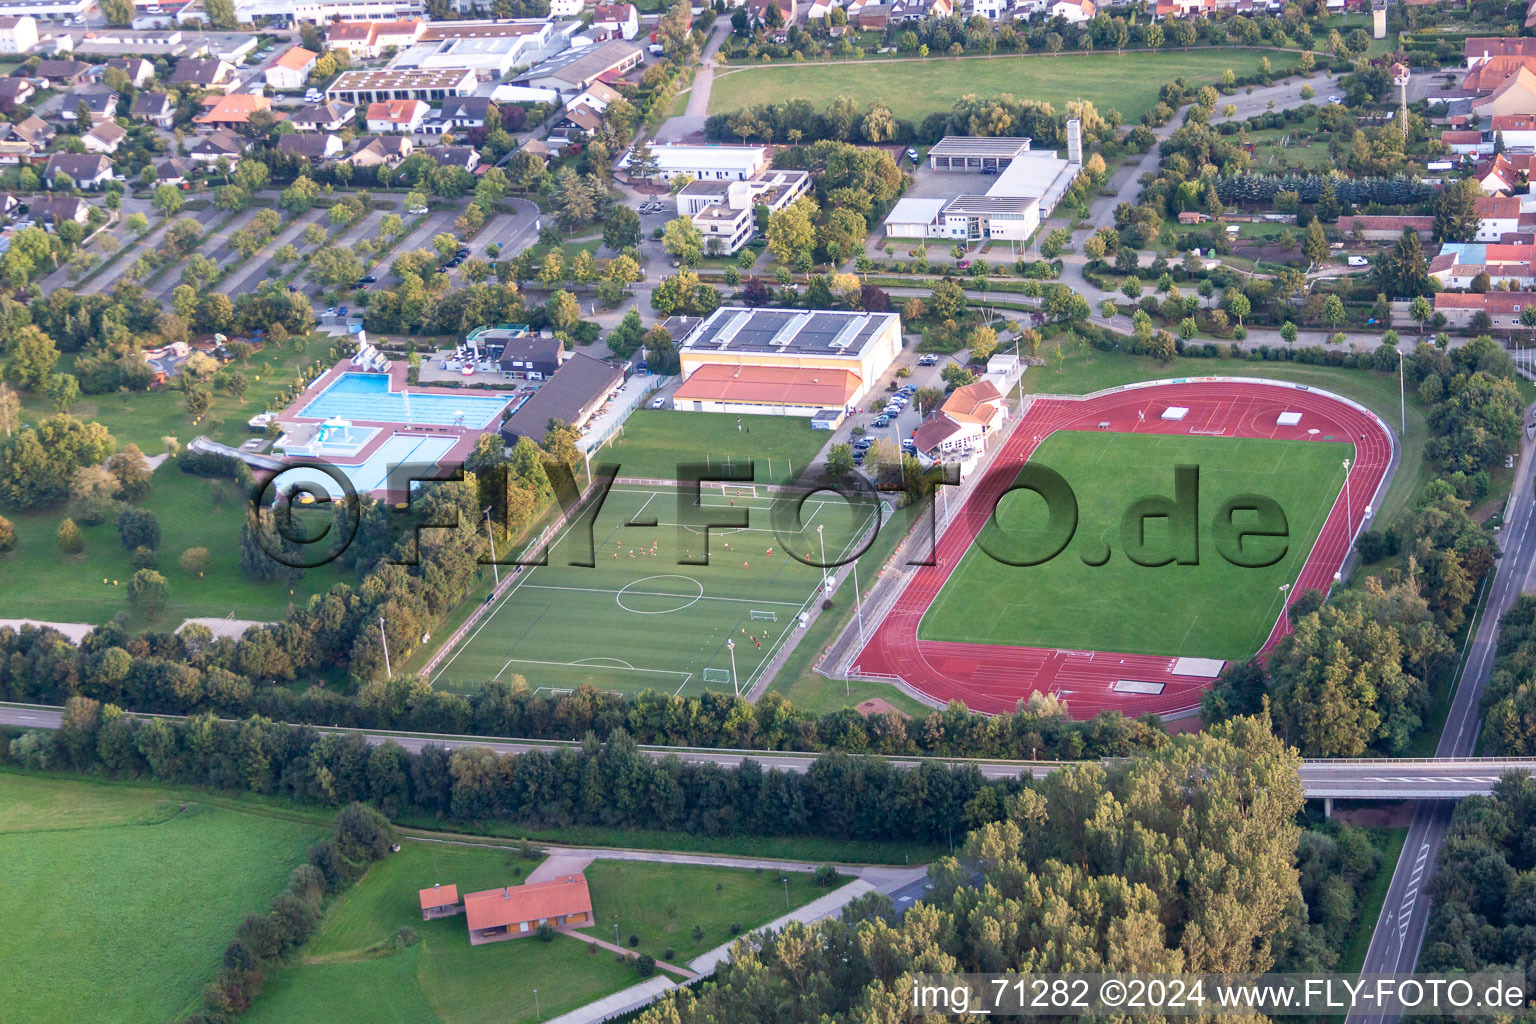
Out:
{"x": 513, "y": 911}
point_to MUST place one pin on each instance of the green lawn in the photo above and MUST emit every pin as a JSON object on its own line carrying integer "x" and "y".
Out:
{"x": 347, "y": 970}
{"x": 120, "y": 899}
{"x": 192, "y": 511}
{"x": 661, "y": 903}
{"x": 655, "y": 442}
{"x": 913, "y": 89}
{"x": 1213, "y": 609}
{"x": 632, "y": 620}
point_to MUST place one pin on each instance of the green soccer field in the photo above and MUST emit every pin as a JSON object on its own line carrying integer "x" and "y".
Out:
{"x": 637, "y": 620}
{"x": 1213, "y": 609}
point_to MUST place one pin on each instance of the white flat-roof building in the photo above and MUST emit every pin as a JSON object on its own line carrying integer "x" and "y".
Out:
{"x": 1027, "y": 186}
{"x": 359, "y": 87}
{"x": 709, "y": 163}
{"x": 44, "y": 8}
{"x": 490, "y": 50}
{"x": 18, "y": 33}
{"x": 321, "y": 12}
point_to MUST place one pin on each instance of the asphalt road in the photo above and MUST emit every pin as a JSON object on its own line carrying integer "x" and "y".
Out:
{"x": 1399, "y": 934}
{"x": 1381, "y": 778}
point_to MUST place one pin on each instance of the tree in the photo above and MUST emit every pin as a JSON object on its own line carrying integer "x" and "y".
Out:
{"x": 119, "y": 13}
{"x": 1421, "y": 312}
{"x": 621, "y": 229}
{"x": 138, "y": 528}
{"x": 1239, "y": 306}
{"x": 1456, "y": 216}
{"x": 840, "y": 459}
{"x": 63, "y": 391}
{"x": 1288, "y": 332}
{"x": 147, "y": 592}
{"x": 194, "y": 561}
{"x": 10, "y": 409}
{"x": 1333, "y": 311}
{"x": 69, "y": 538}
{"x": 167, "y": 201}
{"x": 30, "y": 359}
{"x": 7, "y": 536}
{"x": 131, "y": 470}
{"x": 683, "y": 240}
{"x": 1314, "y": 244}
{"x": 792, "y": 233}
{"x": 982, "y": 343}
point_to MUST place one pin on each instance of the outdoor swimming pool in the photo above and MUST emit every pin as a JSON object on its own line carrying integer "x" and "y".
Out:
{"x": 404, "y": 455}
{"x": 366, "y": 396}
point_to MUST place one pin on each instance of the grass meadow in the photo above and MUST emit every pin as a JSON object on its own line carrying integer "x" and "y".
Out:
{"x": 1213, "y": 609}
{"x": 914, "y": 89}
{"x": 348, "y": 970}
{"x": 120, "y": 899}
{"x": 655, "y": 441}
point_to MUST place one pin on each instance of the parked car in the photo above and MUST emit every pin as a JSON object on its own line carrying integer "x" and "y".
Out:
{"x": 1335, "y": 99}
{"x": 912, "y": 154}
{"x": 367, "y": 279}
{"x": 883, "y": 421}
{"x": 658, "y": 403}
{"x": 928, "y": 360}
{"x": 909, "y": 446}
{"x": 416, "y": 211}
{"x": 963, "y": 264}
{"x": 341, "y": 310}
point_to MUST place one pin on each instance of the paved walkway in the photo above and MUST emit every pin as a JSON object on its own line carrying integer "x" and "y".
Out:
{"x": 75, "y": 631}
{"x": 632, "y": 998}
{"x": 819, "y": 909}
{"x": 593, "y": 940}
{"x": 690, "y": 123}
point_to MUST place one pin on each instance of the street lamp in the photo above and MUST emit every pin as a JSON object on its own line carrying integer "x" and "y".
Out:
{"x": 536, "y": 1014}
{"x": 384, "y": 639}
{"x": 1349, "y": 515}
{"x": 1402, "y": 397}
{"x": 495, "y": 569}
{"x": 785, "y": 880}
{"x": 1285, "y": 618}
{"x": 823, "y": 538}
{"x": 730, "y": 645}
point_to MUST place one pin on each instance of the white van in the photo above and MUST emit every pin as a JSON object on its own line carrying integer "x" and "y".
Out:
{"x": 1358, "y": 261}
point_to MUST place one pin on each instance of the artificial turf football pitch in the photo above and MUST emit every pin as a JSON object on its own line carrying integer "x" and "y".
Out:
{"x": 638, "y": 617}
{"x": 1213, "y": 609}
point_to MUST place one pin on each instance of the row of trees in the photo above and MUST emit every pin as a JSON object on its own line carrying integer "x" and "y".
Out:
{"x": 1184, "y": 860}
{"x": 1509, "y": 699}
{"x": 611, "y": 784}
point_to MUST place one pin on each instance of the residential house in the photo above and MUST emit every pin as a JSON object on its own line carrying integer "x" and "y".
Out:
{"x": 86, "y": 170}
{"x": 1500, "y": 216}
{"x": 234, "y": 109}
{"x": 1467, "y": 142}
{"x": 596, "y": 96}
{"x": 209, "y": 75}
{"x": 458, "y": 113}
{"x": 1518, "y": 131}
{"x": 1505, "y": 173}
{"x": 104, "y": 138}
{"x": 174, "y": 170}
{"x": 1516, "y": 96}
{"x": 155, "y": 108}
{"x": 1460, "y": 263}
{"x": 330, "y": 116}
{"x": 440, "y": 901}
{"x": 454, "y": 156}
{"x": 529, "y": 355}
{"x": 18, "y": 33}
{"x": 1503, "y": 308}
{"x": 396, "y": 115}
{"x": 9, "y": 203}
{"x": 291, "y": 70}
{"x": 621, "y": 20}
{"x": 220, "y": 144}
{"x": 962, "y": 423}
{"x": 757, "y": 11}
{"x": 916, "y": 10}
{"x": 100, "y": 103}
{"x": 63, "y": 74}
{"x": 1481, "y": 49}
{"x": 576, "y": 121}
{"x": 51, "y": 211}
{"x": 369, "y": 39}
{"x": 386, "y": 150}
{"x": 137, "y": 69}
{"x": 1073, "y": 11}
{"x": 518, "y": 910}
{"x": 25, "y": 140}
{"x": 14, "y": 92}
{"x": 564, "y": 8}
{"x": 316, "y": 147}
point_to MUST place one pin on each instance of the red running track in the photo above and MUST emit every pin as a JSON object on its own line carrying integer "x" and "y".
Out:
{"x": 993, "y": 678}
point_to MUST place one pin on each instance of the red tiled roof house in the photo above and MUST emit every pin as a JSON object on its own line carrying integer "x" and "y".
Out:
{"x": 516, "y": 910}
{"x": 440, "y": 901}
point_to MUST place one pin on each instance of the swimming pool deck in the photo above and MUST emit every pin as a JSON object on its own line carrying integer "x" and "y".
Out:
{"x": 462, "y": 437}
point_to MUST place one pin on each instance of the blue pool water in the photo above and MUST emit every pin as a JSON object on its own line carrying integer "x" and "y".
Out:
{"x": 366, "y": 396}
